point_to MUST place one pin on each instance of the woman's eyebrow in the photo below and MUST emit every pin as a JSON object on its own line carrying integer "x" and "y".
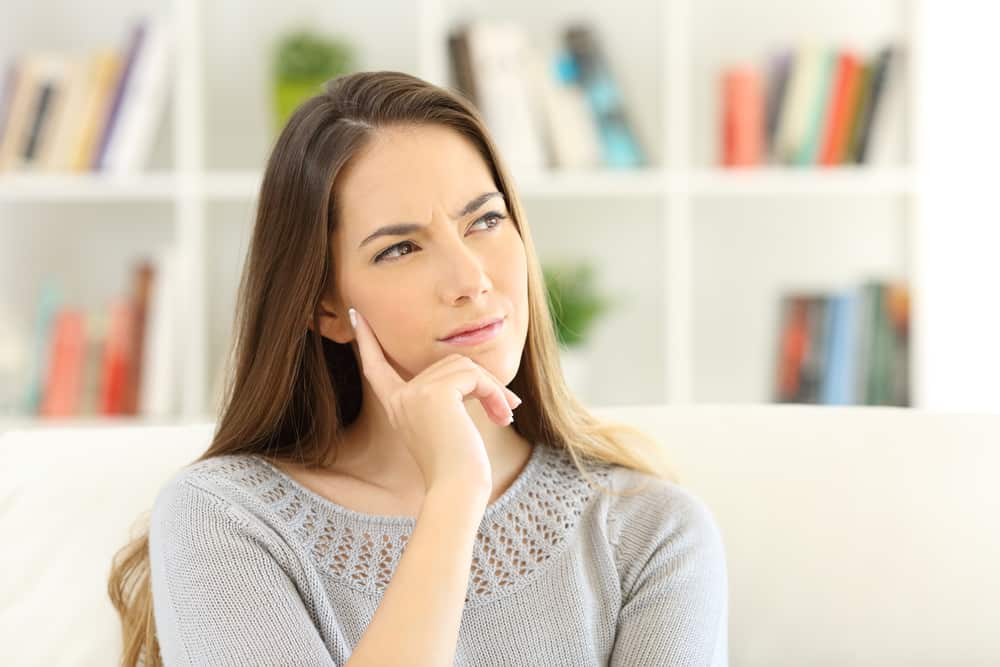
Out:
{"x": 403, "y": 228}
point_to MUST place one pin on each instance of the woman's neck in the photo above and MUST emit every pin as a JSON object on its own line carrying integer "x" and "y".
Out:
{"x": 372, "y": 451}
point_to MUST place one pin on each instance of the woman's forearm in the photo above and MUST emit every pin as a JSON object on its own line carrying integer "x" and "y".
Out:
{"x": 418, "y": 618}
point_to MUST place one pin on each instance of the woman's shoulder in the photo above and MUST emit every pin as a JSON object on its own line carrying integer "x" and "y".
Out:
{"x": 646, "y": 510}
{"x": 223, "y": 480}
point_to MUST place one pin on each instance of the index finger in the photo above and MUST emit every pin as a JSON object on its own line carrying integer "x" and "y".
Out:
{"x": 373, "y": 362}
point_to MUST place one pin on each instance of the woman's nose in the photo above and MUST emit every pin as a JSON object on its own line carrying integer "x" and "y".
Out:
{"x": 464, "y": 272}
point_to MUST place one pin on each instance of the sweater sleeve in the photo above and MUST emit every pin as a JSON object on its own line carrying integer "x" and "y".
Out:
{"x": 221, "y": 593}
{"x": 674, "y": 581}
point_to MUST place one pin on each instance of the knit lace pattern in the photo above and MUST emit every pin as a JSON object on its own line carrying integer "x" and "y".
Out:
{"x": 520, "y": 532}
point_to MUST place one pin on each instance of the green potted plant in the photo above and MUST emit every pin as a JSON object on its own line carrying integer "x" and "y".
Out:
{"x": 575, "y": 306}
{"x": 303, "y": 61}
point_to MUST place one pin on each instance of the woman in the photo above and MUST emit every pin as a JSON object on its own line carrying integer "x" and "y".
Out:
{"x": 356, "y": 425}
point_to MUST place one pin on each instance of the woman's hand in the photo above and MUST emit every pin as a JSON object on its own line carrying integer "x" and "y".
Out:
{"x": 429, "y": 412}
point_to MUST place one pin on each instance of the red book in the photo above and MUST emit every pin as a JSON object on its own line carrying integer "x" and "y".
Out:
{"x": 793, "y": 347}
{"x": 62, "y": 388}
{"x": 842, "y": 103}
{"x": 744, "y": 123}
{"x": 116, "y": 362}
{"x": 142, "y": 280}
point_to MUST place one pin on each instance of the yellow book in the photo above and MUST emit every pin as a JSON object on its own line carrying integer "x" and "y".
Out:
{"x": 106, "y": 68}
{"x": 66, "y": 121}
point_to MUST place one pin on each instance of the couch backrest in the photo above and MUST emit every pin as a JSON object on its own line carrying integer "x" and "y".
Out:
{"x": 853, "y": 535}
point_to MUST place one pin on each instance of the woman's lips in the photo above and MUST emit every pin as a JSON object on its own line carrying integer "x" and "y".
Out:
{"x": 477, "y": 336}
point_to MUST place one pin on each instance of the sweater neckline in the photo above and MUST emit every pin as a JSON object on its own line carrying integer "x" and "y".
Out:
{"x": 539, "y": 453}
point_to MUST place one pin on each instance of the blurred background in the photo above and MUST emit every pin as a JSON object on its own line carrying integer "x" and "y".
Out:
{"x": 733, "y": 201}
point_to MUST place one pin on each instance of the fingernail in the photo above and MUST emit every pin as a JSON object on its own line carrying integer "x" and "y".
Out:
{"x": 354, "y": 318}
{"x": 518, "y": 401}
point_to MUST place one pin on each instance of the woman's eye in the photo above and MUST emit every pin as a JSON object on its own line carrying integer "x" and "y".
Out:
{"x": 387, "y": 254}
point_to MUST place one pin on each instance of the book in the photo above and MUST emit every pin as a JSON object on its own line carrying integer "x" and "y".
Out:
{"x": 7, "y": 93}
{"x": 777, "y": 82}
{"x": 619, "y": 144}
{"x": 877, "y": 85}
{"x": 19, "y": 111}
{"x": 898, "y": 308}
{"x": 743, "y": 117}
{"x": 569, "y": 132}
{"x": 838, "y": 382}
{"x": 144, "y": 96}
{"x": 105, "y": 68}
{"x": 66, "y": 121}
{"x": 49, "y": 303}
{"x": 62, "y": 391}
{"x": 50, "y": 73}
{"x": 819, "y": 86}
{"x": 813, "y": 363}
{"x": 503, "y": 93}
{"x": 797, "y": 102}
{"x": 142, "y": 280}
{"x": 117, "y": 90}
{"x": 792, "y": 342}
{"x": 463, "y": 78}
{"x": 159, "y": 381}
{"x": 842, "y": 100}
{"x": 886, "y": 141}
{"x": 116, "y": 361}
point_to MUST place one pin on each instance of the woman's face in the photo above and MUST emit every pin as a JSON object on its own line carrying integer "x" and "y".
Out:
{"x": 462, "y": 262}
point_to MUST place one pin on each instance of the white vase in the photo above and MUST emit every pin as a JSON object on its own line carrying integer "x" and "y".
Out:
{"x": 575, "y": 362}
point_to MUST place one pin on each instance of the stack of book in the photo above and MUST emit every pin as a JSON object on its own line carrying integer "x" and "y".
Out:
{"x": 815, "y": 106}
{"x": 93, "y": 112}
{"x": 553, "y": 106}
{"x": 845, "y": 348}
{"x": 119, "y": 361}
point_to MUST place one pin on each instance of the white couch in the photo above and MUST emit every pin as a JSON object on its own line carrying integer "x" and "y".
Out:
{"x": 854, "y": 536}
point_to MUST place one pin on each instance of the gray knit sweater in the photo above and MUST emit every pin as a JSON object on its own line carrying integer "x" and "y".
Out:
{"x": 251, "y": 568}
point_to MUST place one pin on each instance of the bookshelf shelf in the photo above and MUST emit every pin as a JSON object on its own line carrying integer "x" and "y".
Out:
{"x": 716, "y": 182}
{"x": 635, "y": 182}
{"x": 88, "y": 186}
{"x": 774, "y": 181}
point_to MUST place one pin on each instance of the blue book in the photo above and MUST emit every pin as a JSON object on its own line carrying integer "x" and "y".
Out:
{"x": 838, "y": 381}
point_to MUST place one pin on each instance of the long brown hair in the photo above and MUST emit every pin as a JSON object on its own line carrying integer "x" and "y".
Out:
{"x": 288, "y": 391}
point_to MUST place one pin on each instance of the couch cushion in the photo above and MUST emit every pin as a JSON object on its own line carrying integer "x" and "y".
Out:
{"x": 854, "y": 535}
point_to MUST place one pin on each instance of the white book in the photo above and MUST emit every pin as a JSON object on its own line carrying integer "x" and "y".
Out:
{"x": 569, "y": 127}
{"x": 887, "y": 136}
{"x": 142, "y": 107}
{"x": 160, "y": 381}
{"x": 36, "y": 69}
{"x": 504, "y": 93}
{"x": 798, "y": 102}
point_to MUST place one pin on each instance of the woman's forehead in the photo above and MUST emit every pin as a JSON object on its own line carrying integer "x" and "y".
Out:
{"x": 404, "y": 176}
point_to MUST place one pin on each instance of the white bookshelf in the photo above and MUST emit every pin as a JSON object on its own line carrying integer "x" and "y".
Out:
{"x": 210, "y": 179}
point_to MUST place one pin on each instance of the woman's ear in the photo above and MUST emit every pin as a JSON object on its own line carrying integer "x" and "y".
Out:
{"x": 333, "y": 323}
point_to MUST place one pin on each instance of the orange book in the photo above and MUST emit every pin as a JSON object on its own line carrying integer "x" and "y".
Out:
{"x": 62, "y": 388}
{"x": 744, "y": 117}
{"x": 793, "y": 347}
{"x": 842, "y": 103}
